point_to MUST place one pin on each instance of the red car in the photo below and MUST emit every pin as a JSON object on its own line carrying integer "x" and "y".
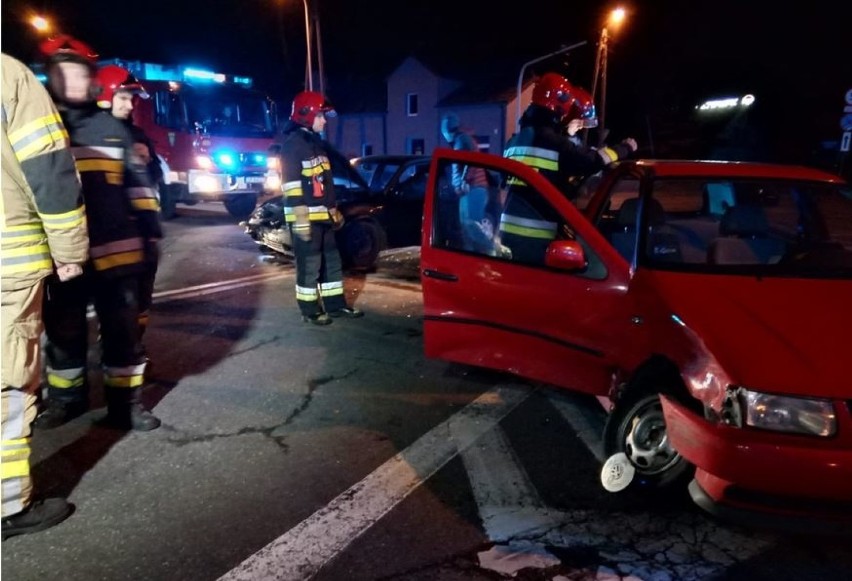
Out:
{"x": 706, "y": 302}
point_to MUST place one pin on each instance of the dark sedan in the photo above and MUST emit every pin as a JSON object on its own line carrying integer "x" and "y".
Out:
{"x": 387, "y": 215}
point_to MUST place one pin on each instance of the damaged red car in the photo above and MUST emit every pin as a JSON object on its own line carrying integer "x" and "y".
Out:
{"x": 707, "y": 303}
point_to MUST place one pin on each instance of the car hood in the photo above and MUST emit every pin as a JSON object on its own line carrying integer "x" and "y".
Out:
{"x": 773, "y": 334}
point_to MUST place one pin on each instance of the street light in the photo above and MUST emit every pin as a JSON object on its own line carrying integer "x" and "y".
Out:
{"x": 614, "y": 20}
{"x": 40, "y": 23}
{"x": 532, "y": 62}
{"x": 310, "y": 50}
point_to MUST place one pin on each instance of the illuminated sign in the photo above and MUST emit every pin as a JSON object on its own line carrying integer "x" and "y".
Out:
{"x": 727, "y": 103}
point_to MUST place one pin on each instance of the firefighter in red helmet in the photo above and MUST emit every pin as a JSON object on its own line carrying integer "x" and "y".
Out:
{"x": 122, "y": 216}
{"x": 545, "y": 142}
{"x": 310, "y": 210}
{"x": 119, "y": 89}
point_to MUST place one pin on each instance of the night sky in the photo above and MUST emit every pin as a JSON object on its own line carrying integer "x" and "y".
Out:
{"x": 669, "y": 55}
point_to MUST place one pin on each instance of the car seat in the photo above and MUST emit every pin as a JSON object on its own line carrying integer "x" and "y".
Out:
{"x": 744, "y": 238}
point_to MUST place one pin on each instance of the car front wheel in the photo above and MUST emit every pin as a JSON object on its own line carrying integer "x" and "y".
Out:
{"x": 360, "y": 242}
{"x": 637, "y": 428}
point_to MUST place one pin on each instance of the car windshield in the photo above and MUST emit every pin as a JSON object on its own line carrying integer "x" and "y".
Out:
{"x": 747, "y": 226}
{"x": 230, "y": 112}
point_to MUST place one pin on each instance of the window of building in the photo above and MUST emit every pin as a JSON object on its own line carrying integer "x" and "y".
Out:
{"x": 412, "y": 106}
{"x": 416, "y": 145}
{"x": 366, "y": 149}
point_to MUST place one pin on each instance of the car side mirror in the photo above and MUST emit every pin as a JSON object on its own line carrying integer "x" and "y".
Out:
{"x": 565, "y": 255}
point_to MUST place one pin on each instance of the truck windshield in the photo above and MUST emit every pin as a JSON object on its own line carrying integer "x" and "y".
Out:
{"x": 231, "y": 112}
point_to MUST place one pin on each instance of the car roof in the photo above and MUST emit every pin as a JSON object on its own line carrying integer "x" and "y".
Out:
{"x": 737, "y": 169}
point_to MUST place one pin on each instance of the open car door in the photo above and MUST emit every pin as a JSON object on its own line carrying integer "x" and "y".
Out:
{"x": 536, "y": 292}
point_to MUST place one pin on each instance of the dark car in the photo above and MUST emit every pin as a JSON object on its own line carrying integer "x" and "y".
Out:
{"x": 388, "y": 216}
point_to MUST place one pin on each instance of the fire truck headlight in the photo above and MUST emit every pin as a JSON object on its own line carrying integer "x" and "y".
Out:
{"x": 206, "y": 184}
{"x": 204, "y": 162}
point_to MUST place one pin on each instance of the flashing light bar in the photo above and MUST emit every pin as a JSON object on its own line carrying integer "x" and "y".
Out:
{"x": 726, "y": 103}
{"x": 203, "y": 75}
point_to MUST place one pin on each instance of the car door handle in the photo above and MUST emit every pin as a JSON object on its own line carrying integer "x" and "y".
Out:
{"x": 439, "y": 275}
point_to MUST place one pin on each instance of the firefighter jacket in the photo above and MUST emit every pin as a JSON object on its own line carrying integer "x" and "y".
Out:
{"x": 541, "y": 145}
{"x": 121, "y": 206}
{"x": 43, "y": 215}
{"x": 306, "y": 175}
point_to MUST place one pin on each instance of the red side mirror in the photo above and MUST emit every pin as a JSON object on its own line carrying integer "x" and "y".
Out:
{"x": 565, "y": 255}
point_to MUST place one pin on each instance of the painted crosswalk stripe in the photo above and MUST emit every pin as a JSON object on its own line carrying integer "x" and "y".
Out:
{"x": 302, "y": 551}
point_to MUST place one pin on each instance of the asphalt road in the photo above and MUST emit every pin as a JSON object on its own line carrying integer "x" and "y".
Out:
{"x": 289, "y": 451}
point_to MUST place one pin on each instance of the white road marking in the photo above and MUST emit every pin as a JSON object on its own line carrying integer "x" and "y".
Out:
{"x": 216, "y": 287}
{"x": 508, "y": 503}
{"x": 302, "y": 551}
{"x": 587, "y": 424}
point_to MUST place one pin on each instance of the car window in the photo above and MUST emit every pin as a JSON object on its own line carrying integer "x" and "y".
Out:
{"x": 617, "y": 221}
{"x": 412, "y": 182}
{"x": 768, "y": 226}
{"x": 500, "y": 217}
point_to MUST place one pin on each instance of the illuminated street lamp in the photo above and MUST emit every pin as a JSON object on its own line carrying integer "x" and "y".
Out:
{"x": 40, "y": 23}
{"x": 614, "y": 21}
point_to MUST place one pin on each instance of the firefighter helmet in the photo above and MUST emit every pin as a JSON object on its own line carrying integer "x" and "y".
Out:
{"x": 582, "y": 107}
{"x": 306, "y": 105}
{"x": 113, "y": 78}
{"x": 553, "y": 92}
{"x": 64, "y": 48}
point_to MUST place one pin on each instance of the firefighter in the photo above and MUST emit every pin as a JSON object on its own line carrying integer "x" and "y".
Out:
{"x": 118, "y": 89}
{"x": 122, "y": 214}
{"x": 44, "y": 226}
{"x": 310, "y": 210}
{"x": 545, "y": 142}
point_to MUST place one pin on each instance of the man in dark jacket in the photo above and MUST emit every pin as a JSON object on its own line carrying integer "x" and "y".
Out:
{"x": 310, "y": 209}
{"x": 545, "y": 143}
{"x": 122, "y": 216}
{"x": 118, "y": 89}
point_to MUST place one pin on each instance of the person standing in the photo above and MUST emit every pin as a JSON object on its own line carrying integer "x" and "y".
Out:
{"x": 43, "y": 233}
{"x": 469, "y": 184}
{"x": 545, "y": 142}
{"x": 118, "y": 89}
{"x": 310, "y": 210}
{"x": 122, "y": 214}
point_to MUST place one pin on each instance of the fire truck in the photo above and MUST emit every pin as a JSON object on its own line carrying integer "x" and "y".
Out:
{"x": 212, "y": 130}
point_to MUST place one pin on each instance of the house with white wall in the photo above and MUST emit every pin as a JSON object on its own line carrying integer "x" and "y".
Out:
{"x": 408, "y": 119}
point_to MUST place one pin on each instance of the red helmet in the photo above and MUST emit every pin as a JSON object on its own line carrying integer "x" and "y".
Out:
{"x": 64, "y": 48}
{"x": 306, "y": 105}
{"x": 553, "y": 92}
{"x": 582, "y": 107}
{"x": 113, "y": 78}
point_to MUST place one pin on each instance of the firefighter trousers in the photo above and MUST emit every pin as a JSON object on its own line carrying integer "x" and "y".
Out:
{"x": 20, "y": 320}
{"x": 319, "y": 273}
{"x": 117, "y": 307}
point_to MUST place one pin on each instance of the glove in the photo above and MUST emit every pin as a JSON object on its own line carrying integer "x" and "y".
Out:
{"x": 337, "y": 219}
{"x": 630, "y": 143}
{"x": 302, "y": 226}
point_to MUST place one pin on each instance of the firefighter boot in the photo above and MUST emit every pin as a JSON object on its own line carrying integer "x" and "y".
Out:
{"x": 38, "y": 516}
{"x": 126, "y": 412}
{"x": 63, "y": 405}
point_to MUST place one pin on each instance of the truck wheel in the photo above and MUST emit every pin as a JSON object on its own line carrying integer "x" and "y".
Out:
{"x": 360, "y": 242}
{"x": 241, "y": 206}
{"x": 169, "y": 195}
{"x": 637, "y": 428}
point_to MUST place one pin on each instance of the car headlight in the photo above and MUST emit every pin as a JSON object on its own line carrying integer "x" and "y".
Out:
{"x": 783, "y": 413}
